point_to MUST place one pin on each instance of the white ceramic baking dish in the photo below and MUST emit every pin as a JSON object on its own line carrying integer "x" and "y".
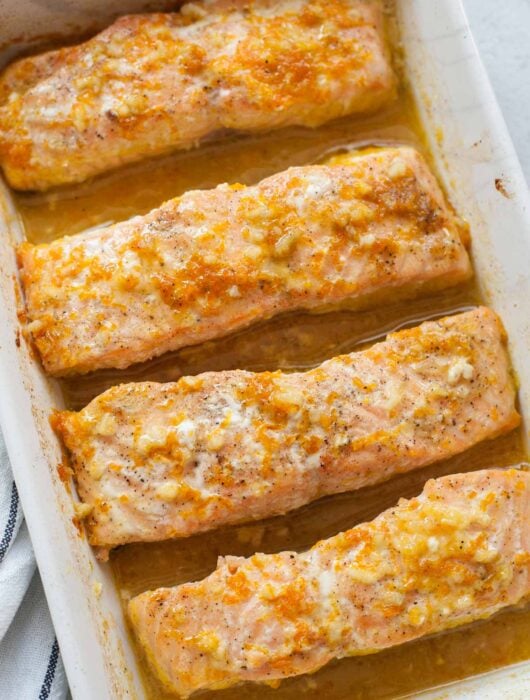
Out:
{"x": 482, "y": 174}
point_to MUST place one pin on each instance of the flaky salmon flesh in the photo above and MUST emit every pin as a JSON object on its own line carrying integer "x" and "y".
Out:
{"x": 360, "y": 228}
{"x": 153, "y": 83}
{"x": 457, "y": 553}
{"x": 157, "y": 461}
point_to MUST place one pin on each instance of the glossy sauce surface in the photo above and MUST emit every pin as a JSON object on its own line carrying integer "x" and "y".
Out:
{"x": 295, "y": 341}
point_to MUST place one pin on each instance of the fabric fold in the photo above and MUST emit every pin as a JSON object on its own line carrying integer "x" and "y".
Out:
{"x": 31, "y": 666}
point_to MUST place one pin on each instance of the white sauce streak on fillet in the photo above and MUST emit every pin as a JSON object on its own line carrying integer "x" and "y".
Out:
{"x": 157, "y": 461}
{"x": 459, "y": 552}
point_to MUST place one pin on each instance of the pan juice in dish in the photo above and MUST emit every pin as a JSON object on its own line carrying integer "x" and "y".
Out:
{"x": 293, "y": 342}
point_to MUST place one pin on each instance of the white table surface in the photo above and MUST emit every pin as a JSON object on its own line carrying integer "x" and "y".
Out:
{"x": 502, "y": 31}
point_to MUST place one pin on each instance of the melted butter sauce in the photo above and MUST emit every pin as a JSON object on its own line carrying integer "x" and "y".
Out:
{"x": 291, "y": 342}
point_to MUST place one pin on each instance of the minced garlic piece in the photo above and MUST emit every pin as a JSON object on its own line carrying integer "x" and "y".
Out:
{"x": 83, "y": 510}
{"x": 169, "y": 490}
{"x": 460, "y": 369}
{"x": 398, "y": 168}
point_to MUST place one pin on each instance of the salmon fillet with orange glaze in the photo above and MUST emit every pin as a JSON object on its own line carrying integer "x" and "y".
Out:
{"x": 153, "y": 83}
{"x": 362, "y": 228}
{"x": 457, "y": 553}
{"x": 157, "y": 461}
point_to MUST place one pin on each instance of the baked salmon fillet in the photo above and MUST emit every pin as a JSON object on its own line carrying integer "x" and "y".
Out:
{"x": 457, "y": 553}
{"x": 361, "y": 228}
{"x": 153, "y": 83}
{"x": 157, "y": 461}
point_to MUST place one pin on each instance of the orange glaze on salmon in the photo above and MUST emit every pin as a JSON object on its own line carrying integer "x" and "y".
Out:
{"x": 457, "y": 553}
{"x": 156, "y": 82}
{"x": 157, "y": 461}
{"x": 360, "y": 228}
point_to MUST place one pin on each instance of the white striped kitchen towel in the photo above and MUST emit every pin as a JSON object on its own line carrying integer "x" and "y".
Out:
{"x": 30, "y": 663}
